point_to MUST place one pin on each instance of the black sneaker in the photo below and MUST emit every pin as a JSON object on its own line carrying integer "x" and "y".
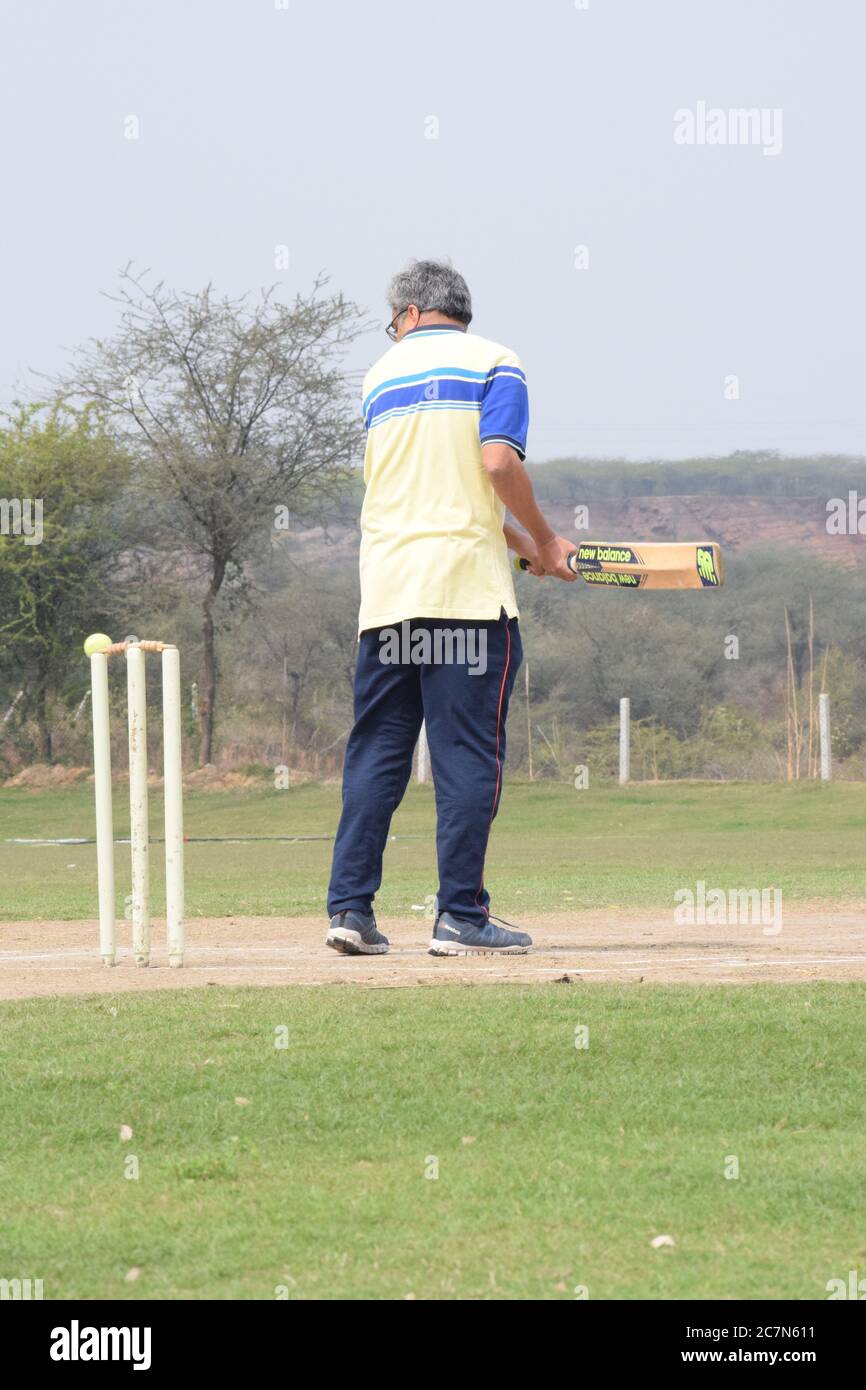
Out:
{"x": 354, "y": 934}
{"x": 454, "y": 937}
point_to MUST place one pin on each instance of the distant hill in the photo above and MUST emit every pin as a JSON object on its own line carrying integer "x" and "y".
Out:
{"x": 735, "y": 522}
{"x": 742, "y": 474}
{"x": 743, "y": 500}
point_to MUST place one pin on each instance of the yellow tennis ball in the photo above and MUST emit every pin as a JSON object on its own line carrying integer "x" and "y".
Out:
{"x": 96, "y": 642}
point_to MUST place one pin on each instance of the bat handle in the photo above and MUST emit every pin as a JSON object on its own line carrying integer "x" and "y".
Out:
{"x": 570, "y": 560}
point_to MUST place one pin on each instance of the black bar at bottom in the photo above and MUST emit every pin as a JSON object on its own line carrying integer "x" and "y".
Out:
{"x": 62, "y": 1338}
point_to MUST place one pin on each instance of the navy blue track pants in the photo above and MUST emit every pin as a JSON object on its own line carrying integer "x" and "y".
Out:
{"x": 465, "y": 720}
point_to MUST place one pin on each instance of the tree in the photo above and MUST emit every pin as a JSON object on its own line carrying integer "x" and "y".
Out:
{"x": 62, "y": 464}
{"x": 231, "y": 409}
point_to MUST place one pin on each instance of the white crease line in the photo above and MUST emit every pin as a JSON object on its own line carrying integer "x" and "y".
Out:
{"x": 294, "y": 954}
{"x": 348, "y": 968}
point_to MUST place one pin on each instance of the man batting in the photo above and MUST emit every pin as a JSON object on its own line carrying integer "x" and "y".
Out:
{"x": 446, "y": 414}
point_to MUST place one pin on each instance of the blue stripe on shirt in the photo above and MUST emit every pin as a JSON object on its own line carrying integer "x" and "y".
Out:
{"x": 453, "y": 373}
{"x": 441, "y": 390}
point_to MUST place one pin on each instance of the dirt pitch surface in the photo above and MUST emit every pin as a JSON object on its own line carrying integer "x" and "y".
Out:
{"x": 40, "y": 959}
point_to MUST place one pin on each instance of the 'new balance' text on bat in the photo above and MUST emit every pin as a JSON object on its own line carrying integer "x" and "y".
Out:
{"x": 653, "y": 565}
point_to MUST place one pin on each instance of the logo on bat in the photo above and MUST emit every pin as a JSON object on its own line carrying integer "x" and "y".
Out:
{"x": 706, "y": 566}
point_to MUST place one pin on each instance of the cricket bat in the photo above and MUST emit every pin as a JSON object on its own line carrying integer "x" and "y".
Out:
{"x": 653, "y": 565}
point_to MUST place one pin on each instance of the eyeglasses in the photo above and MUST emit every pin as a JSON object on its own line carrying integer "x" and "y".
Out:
{"x": 391, "y": 328}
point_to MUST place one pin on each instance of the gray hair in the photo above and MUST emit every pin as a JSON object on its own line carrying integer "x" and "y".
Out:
{"x": 431, "y": 285}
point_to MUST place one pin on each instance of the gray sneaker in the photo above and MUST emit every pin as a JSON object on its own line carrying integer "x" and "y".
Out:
{"x": 355, "y": 934}
{"x": 454, "y": 937}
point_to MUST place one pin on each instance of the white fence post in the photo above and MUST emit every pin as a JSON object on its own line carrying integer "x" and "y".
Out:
{"x": 423, "y": 755}
{"x": 624, "y": 746}
{"x": 824, "y": 727}
{"x": 11, "y": 710}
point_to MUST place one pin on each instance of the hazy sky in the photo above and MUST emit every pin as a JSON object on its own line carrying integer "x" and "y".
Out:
{"x": 307, "y": 125}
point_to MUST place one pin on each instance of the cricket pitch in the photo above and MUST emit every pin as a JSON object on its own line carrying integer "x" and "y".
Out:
{"x": 630, "y": 946}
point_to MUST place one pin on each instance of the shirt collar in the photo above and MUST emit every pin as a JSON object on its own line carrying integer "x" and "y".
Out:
{"x": 434, "y": 328}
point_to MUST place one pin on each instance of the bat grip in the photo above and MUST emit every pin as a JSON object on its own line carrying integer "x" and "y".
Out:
{"x": 570, "y": 560}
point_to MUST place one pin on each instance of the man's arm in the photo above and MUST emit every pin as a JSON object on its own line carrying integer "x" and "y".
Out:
{"x": 510, "y": 482}
{"x": 523, "y": 545}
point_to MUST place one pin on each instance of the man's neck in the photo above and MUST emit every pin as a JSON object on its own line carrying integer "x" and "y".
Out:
{"x": 433, "y": 319}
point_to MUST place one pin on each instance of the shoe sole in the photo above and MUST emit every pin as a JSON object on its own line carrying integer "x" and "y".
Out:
{"x": 351, "y": 943}
{"x": 442, "y": 948}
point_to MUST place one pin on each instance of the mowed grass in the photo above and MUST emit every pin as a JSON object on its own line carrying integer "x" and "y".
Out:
{"x": 556, "y": 1165}
{"x": 552, "y": 847}
{"x": 257, "y": 1168}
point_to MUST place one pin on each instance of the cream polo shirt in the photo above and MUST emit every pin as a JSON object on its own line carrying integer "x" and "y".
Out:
{"x": 432, "y": 544}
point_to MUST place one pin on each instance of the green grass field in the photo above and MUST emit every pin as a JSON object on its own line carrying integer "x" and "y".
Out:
{"x": 557, "y": 1165}
{"x": 552, "y": 847}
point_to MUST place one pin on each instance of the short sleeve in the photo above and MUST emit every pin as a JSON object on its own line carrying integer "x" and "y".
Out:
{"x": 505, "y": 406}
